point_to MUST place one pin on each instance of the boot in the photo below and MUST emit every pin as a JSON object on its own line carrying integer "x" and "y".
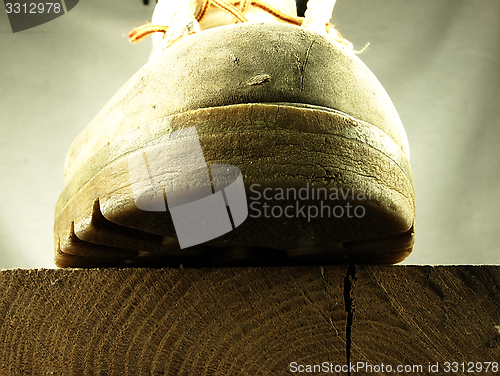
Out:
{"x": 251, "y": 137}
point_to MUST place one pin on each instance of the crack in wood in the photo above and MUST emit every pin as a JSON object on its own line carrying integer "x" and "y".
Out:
{"x": 349, "y": 281}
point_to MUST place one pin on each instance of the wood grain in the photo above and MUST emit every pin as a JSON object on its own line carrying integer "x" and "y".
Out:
{"x": 417, "y": 315}
{"x": 245, "y": 321}
{"x": 169, "y": 321}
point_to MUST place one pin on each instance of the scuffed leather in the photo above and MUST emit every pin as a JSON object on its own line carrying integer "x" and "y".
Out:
{"x": 243, "y": 63}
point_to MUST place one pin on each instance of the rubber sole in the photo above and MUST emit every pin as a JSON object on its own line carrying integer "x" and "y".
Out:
{"x": 321, "y": 187}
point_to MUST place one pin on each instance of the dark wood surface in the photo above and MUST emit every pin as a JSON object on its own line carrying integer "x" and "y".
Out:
{"x": 250, "y": 321}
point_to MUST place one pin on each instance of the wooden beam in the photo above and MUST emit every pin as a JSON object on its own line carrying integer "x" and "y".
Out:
{"x": 425, "y": 315}
{"x": 248, "y": 321}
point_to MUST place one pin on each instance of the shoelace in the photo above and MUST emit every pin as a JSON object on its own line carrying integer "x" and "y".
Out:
{"x": 238, "y": 8}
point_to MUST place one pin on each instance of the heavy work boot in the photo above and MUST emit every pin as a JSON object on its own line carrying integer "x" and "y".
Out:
{"x": 251, "y": 137}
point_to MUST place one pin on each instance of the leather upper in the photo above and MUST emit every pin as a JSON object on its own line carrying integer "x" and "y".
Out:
{"x": 243, "y": 63}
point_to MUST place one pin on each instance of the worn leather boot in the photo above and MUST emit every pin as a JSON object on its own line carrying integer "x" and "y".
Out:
{"x": 251, "y": 137}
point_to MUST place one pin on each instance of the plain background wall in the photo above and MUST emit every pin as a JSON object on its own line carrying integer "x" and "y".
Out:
{"x": 438, "y": 59}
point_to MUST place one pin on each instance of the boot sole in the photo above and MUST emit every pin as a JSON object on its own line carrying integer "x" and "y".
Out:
{"x": 276, "y": 147}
